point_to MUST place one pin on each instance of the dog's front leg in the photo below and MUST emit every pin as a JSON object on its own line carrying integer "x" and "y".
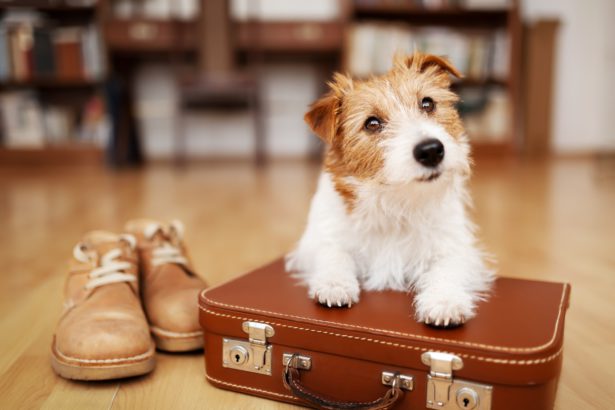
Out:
{"x": 448, "y": 292}
{"x": 333, "y": 281}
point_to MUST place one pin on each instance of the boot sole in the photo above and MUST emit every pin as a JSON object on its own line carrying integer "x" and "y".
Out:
{"x": 81, "y": 369}
{"x": 176, "y": 341}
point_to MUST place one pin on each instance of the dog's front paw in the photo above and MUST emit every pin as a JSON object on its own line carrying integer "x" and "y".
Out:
{"x": 335, "y": 293}
{"x": 444, "y": 309}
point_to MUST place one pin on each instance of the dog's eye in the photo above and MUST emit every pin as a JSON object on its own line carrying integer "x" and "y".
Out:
{"x": 373, "y": 124}
{"x": 428, "y": 104}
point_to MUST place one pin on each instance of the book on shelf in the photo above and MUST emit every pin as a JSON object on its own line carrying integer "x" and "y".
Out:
{"x": 94, "y": 63}
{"x": 32, "y": 48}
{"x": 486, "y": 113}
{"x": 68, "y": 52}
{"x": 156, "y": 9}
{"x": 95, "y": 126}
{"x": 27, "y": 123}
{"x": 59, "y": 125}
{"x": 20, "y": 45}
{"x": 486, "y": 4}
{"x": 22, "y": 120}
{"x": 501, "y": 56}
{"x": 5, "y": 62}
{"x": 284, "y": 10}
{"x": 361, "y": 49}
{"x": 44, "y": 64}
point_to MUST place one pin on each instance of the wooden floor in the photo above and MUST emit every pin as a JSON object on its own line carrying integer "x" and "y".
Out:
{"x": 552, "y": 221}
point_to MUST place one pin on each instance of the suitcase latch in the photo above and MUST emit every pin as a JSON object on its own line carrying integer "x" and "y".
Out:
{"x": 445, "y": 392}
{"x": 253, "y": 355}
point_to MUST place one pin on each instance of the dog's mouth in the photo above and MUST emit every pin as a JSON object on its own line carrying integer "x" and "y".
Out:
{"x": 430, "y": 177}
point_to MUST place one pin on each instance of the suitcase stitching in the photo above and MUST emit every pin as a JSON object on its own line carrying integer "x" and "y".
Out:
{"x": 467, "y": 356}
{"x": 498, "y": 348}
{"x": 250, "y": 388}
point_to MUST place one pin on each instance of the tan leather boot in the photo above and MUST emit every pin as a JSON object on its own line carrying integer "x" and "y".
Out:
{"x": 170, "y": 287}
{"x": 103, "y": 332}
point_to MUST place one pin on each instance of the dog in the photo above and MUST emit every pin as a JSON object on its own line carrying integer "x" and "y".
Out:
{"x": 389, "y": 211}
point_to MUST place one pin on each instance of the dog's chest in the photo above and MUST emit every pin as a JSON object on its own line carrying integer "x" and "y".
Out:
{"x": 390, "y": 248}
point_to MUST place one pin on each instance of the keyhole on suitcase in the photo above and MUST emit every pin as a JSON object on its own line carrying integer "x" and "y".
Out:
{"x": 239, "y": 355}
{"x": 467, "y": 398}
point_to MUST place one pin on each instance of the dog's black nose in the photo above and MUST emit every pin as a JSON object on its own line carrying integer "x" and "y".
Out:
{"x": 429, "y": 152}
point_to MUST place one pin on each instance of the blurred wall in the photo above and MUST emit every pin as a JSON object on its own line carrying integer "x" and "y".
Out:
{"x": 584, "y": 100}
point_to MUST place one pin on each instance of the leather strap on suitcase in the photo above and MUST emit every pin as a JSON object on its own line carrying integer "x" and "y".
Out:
{"x": 293, "y": 383}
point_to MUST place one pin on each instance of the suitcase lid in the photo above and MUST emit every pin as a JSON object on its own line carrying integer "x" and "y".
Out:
{"x": 516, "y": 337}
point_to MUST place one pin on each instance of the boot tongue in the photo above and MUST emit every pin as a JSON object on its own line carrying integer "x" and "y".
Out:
{"x": 139, "y": 227}
{"x": 163, "y": 234}
{"x": 102, "y": 241}
{"x": 160, "y": 238}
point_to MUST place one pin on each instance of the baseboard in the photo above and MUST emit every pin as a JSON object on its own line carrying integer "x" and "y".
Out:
{"x": 232, "y": 159}
{"x": 586, "y": 154}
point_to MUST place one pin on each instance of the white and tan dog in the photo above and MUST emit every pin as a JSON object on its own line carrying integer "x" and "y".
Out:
{"x": 389, "y": 211}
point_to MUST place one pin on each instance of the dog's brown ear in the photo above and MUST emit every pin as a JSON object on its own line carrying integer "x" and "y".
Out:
{"x": 420, "y": 62}
{"x": 323, "y": 114}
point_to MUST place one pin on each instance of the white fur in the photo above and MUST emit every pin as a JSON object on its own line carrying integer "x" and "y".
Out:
{"x": 403, "y": 233}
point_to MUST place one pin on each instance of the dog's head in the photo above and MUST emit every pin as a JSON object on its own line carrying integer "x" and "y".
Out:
{"x": 398, "y": 128}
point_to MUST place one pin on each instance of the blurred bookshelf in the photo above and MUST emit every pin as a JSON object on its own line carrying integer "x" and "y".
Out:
{"x": 52, "y": 74}
{"x": 92, "y": 110}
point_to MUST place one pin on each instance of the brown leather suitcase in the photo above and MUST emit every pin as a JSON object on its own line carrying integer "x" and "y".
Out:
{"x": 264, "y": 337}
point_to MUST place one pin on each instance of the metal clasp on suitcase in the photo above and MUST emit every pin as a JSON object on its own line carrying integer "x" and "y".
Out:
{"x": 253, "y": 355}
{"x": 445, "y": 392}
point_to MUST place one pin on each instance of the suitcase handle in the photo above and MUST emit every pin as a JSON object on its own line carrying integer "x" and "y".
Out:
{"x": 292, "y": 381}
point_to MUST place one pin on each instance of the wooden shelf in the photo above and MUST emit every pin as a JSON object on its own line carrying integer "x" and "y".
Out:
{"x": 472, "y": 82}
{"x": 50, "y": 83}
{"x": 442, "y": 16}
{"x": 147, "y": 35}
{"x": 291, "y": 37}
{"x": 69, "y": 155}
{"x": 46, "y": 6}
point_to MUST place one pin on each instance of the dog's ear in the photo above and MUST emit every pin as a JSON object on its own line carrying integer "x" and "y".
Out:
{"x": 420, "y": 62}
{"x": 323, "y": 114}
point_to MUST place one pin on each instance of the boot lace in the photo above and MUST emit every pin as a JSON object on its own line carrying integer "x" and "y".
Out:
{"x": 167, "y": 252}
{"x": 111, "y": 270}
